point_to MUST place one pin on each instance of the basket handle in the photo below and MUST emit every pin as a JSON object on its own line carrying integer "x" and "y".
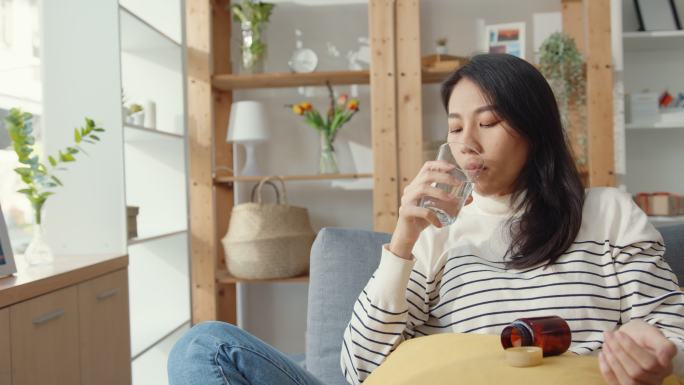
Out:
{"x": 275, "y": 188}
{"x": 268, "y": 178}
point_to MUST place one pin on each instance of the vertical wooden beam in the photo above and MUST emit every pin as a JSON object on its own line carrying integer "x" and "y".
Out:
{"x": 600, "y": 94}
{"x": 223, "y": 151}
{"x": 573, "y": 22}
{"x": 200, "y": 141}
{"x": 409, "y": 91}
{"x": 384, "y": 114}
{"x": 573, "y": 12}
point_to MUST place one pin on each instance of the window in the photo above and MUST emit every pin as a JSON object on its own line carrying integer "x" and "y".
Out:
{"x": 20, "y": 86}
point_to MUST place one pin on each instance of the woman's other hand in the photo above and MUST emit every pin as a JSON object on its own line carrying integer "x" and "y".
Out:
{"x": 638, "y": 353}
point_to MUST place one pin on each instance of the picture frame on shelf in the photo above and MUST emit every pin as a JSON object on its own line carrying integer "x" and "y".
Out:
{"x": 7, "y": 265}
{"x": 657, "y": 15}
{"x": 506, "y": 38}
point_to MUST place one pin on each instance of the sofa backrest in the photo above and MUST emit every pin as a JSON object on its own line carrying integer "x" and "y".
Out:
{"x": 673, "y": 236}
{"x": 342, "y": 262}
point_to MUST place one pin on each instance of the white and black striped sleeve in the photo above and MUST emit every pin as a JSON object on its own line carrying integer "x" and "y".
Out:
{"x": 649, "y": 289}
{"x": 394, "y": 301}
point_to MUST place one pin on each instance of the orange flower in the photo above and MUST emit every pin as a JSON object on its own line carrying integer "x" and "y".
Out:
{"x": 306, "y": 106}
{"x": 342, "y": 100}
{"x": 353, "y": 105}
{"x": 297, "y": 109}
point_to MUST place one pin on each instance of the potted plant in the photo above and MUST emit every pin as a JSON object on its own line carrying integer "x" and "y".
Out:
{"x": 136, "y": 114}
{"x": 441, "y": 46}
{"x": 41, "y": 179}
{"x": 340, "y": 111}
{"x": 562, "y": 65}
{"x": 253, "y": 17}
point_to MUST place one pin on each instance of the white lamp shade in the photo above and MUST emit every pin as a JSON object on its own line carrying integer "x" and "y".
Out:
{"x": 248, "y": 122}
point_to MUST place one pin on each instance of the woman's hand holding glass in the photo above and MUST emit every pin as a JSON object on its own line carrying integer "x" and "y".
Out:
{"x": 413, "y": 218}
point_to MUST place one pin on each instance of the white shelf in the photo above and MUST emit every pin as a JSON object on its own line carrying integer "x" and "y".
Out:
{"x": 135, "y": 133}
{"x": 654, "y": 126}
{"x": 142, "y": 238}
{"x": 357, "y": 184}
{"x": 165, "y": 16}
{"x": 653, "y": 40}
{"x": 140, "y": 39}
{"x": 150, "y": 367}
{"x": 138, "y": 35}
{"x": 666, "y": 221}
{"x": 159, "y": 281}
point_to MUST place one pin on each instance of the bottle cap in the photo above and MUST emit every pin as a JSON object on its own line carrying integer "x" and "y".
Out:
{"x": 524, "y": 356}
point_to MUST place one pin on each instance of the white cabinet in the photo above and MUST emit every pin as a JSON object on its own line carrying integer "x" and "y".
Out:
{"x": 654, "y": 152}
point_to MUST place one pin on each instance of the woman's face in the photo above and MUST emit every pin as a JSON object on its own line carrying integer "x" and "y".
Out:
{"x": 473, "y": 121}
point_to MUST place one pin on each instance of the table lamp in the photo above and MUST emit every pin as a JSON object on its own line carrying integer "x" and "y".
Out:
{"x": 248, "y": 125}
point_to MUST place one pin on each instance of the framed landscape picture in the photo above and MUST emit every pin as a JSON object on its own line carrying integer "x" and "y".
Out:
{"x": 7, "y": 266}
{"x": 506, "y": 38}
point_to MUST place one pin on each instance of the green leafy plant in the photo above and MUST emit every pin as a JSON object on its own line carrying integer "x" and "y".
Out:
{"x": 253, "y": 15}
{"x": 39, "y": 178}
{"x": 135, "y": 107}
{"x": 562, "y": 65}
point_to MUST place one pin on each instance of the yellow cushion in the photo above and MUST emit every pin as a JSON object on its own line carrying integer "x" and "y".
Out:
{"x": 479, "y": 359}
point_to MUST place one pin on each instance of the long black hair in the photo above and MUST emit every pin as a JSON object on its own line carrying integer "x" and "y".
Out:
{"x": 548, "y": 190}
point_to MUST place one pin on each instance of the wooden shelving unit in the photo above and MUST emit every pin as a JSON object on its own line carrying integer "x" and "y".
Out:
{"x": 231, "y": 179}
{"x": 227, "y": 82}
{"x": 223, "y": 276}
{"x": 395, "y": 81}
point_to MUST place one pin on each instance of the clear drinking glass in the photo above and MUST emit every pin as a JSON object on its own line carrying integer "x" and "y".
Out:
{"x": 469, "y": 165}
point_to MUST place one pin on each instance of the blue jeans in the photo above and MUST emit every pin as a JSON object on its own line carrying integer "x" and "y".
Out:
{"x": 218, "y": 353}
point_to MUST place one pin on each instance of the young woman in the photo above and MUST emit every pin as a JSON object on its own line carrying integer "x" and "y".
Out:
{"x": 531, "y": 242}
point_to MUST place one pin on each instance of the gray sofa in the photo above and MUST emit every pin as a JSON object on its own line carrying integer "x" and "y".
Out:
{"x": 342, "y": 261}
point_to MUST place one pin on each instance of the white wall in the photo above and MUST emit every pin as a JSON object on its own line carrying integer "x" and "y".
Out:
{"x": 82, "y": 78}
{"x": 277, "y": 312}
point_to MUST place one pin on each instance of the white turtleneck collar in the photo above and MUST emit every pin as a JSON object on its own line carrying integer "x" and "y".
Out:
{"x": 494, "y": 204}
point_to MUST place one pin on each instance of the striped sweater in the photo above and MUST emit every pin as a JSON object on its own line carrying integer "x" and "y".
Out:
{"x": 457, "y": 282}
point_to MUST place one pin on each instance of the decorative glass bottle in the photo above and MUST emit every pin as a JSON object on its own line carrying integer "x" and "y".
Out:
{"x": 328, "y": 159}
{"x": 38, "y": 251}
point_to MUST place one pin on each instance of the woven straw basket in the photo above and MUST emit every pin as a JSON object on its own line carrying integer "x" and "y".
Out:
{"x": 266, "y": 240}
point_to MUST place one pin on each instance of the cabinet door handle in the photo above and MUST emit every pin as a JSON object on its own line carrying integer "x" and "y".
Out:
{"x": 48, "y": 317}
{"x": 106, "y": 294}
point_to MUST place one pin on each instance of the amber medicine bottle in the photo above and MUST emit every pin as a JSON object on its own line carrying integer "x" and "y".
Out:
{"x": 552, "y": 334}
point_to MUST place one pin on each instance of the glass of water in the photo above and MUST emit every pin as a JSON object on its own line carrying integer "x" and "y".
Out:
{"x": 469, "y": 165}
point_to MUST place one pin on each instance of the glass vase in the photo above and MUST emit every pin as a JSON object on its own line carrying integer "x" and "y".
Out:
{"x": 253, "y": 48}
{"x": 328, "y": 159}
{"x": 38, "y": 251}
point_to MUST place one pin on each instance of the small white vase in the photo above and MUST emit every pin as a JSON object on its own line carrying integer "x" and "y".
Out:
{"x": 38, "y": 251}
{"x": 138, "y": 118}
